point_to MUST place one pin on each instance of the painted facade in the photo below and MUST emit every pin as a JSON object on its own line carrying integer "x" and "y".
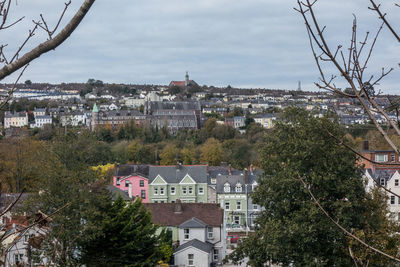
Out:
{"x": 139, "y": 186}
{"x": 184, "y": 182}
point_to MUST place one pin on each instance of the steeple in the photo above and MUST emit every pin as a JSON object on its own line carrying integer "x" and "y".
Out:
{"x": 187, "y": 79}
{"x": 95, "y": 109}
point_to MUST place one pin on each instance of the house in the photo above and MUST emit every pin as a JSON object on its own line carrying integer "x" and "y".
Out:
{"x": 197, "y": 231}
{"x": 389, "y": 178}
{"x": 15, "y": 119}
{"x": 21, "y": 241}
{"x": 236, "y": 122}
{"x": 233, "y": 195}
{"x": 133, "y": 179}
{"x": 41, "y": 120}
{"x": 266, "y": 120}
{"x": 378, "y": 159}
{"x": 185, "y": 182}
{"x": 39, "y": 112}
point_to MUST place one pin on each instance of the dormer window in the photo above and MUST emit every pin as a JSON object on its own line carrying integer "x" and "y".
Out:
{"x": 227, "y": 188}
{"x": 213, "y": 180}
{"x": 238, "y": 188}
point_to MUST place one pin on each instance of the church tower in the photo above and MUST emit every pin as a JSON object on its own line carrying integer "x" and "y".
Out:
{"x": 187, "y": 79}
{"x": 95, "y": 117}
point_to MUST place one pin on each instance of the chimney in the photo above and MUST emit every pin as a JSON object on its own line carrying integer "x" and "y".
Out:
{"x": 246, "y": 176}
{"x": 365, "y": 145}
{"x": 230, "y": 169}
{"x": 208, "y": 170}
{"x": 251, "y": 169}
{"x": 178, "y": 165}
{"x": 130, "y": 190}
{"x": 178, "y": 206}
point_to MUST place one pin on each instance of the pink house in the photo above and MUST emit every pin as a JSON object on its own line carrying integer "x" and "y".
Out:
{"x": 135, "y": 185}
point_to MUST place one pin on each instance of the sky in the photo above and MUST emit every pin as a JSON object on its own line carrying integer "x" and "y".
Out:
{"x": 242, "y": 43}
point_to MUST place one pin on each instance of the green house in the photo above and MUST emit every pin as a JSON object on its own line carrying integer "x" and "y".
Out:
{"x": 185, "y": 182}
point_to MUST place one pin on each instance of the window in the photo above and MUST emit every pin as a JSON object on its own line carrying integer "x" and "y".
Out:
{"x": 118, "y": 181}
{"x": 238, "y": 205}
{"x": 172, "y": 190}
{"x": 210, "y": 233}
{"x": 161, "y": 190}
{"x": 391, "y": 199}
{"x": 393, "y": 158}
{"x": 396, "y": 182}
{"x": 201, "y": 190}
{"x": 190, "y": 190}
{"x": 398, "y": 201}
{"x": 398, "y": 216}
{"x": 155, "y": 190}
{"x": 26, "y": 238}
{"x": 238, "y": 188}
{"x": 381, "y": 158}
{"x": 191, "y": 259}
{"x": 227, "y": 205}
{"x": 143, "y": 194}
{"x": 184, "y": 190}
{"x": 236, "y": 219}
{"x": 186, "y": 233}
{"x": 141, "y": 183}
{"x": 255, "y": 207}
{"x": 215, "y": 254}
{"x": 227, "y": 188}
{"x": 126, "y": 183}
{"x": 382, "y": 181}
{"x": 213, "y": 180}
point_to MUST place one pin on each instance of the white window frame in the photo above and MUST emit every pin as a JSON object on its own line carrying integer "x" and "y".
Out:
{"x": 238, "y": 219}
{"x": 227, "y": 205}
{"x": 118, "y": 182}
{"x": 392, "y": 200}
{"x": 143, "y": 196}
{"x": 141, "y": 183}
{"x": 172, "y": 189}
{"x": 396, "y": 182}
{"x": 210, "y": 233}
{"x": 190, "y": 259}
{"x": 227, "y": 188}
{"x": 255, "y": 207}
{"x": 184, "y": 190}
{"x": 162, "y": 191}
{"x": 238, "y": 188}
{"x": 238, "y": 205}
{"x": 382, "y": 182}
{"x": 155, "y": 190}
{"x": 190, "y": 190}
{"x": 215, "y": 255}
{"x": 201, "y": 190}
{"x": 393, "y": 157}
{"x": 186, "y": 233}
{"x": 213, "y": 180}
{"x": 381, "y": 157}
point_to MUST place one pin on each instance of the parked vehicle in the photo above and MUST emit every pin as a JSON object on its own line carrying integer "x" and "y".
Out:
{"x": 233, "y": 238}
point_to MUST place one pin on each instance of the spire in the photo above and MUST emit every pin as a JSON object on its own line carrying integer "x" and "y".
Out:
{"x": 187, "y": 79}
{"x": 95, "y": 109}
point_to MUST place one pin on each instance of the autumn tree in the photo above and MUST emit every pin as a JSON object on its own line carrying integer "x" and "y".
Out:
{"x": 211, "y": 152}
{"x": 170, "y": 155}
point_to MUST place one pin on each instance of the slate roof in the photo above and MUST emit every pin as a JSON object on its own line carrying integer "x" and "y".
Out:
{"x": 175, "y": 173}
{"x": 163, "y": 213}
{"x": 232, "y": 180}
{"x": 382, "y": 173}
{"x": 184, "y": 105}
{"x": 203, "y": 246}
{"x": 193, "y": 223}
{"x": 115, "y": 192}
{"x": 131, "y": 169}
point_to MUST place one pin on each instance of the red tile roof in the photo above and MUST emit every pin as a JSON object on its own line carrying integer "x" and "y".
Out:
{"x": 163, "y": 213}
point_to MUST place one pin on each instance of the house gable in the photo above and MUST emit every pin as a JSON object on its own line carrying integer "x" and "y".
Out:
{"x": 159, "y": 181}
{"x": 187, "y": 180}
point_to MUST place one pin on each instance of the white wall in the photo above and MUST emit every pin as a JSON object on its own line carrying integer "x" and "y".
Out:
{"x": 194, "y": 233}
{"x": 201, "y": 258}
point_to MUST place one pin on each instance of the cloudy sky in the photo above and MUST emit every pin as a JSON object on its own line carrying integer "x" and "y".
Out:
{"x": 243, "y": 43}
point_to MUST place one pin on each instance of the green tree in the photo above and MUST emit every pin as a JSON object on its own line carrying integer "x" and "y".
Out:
{"x": 211, "y": 152}
{"x": 292, "y": 230}
{"x": 125, "y": 236}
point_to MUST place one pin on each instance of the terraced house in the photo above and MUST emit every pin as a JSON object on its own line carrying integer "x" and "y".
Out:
{"x": 185, "y": 182}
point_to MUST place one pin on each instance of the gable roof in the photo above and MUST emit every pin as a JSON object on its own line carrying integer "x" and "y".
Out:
{"x": 132, "y": 169}
{"x": 174, "y": 174}
{"x": 163, "y": 213}
{"x": 233, "y": 180}
{"x": 193, "y": 223}
{"x": 115, "y": 192}
{"x": 203, "y": 246}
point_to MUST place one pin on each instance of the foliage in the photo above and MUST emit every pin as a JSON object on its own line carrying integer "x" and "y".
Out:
{"x": 124, "y": 237}
{"x": 292, "y": 230}
{"x": 211, "y": 152}
{"x": 103, "y": 171}
{"x": 169, "y": 155}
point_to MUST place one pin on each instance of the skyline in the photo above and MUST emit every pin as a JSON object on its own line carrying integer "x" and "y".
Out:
{"x": 220, "y": 42}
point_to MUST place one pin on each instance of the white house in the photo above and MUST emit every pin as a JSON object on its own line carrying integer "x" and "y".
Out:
{"x": 40, "y": 121}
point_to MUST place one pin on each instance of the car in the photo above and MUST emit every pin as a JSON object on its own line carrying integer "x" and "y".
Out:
{"x": 233, "y": 238}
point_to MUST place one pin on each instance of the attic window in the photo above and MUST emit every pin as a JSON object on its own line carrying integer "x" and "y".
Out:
{"x": 213, "y": 180}
{"x": 238, "y": 188}
{"x": 227, "y": 188}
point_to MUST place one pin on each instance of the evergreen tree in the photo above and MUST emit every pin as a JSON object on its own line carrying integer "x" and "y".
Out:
{"x": 124, "y": 237}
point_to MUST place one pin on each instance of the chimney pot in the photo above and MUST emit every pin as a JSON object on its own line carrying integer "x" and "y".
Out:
{"x": 178, "y": 206}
